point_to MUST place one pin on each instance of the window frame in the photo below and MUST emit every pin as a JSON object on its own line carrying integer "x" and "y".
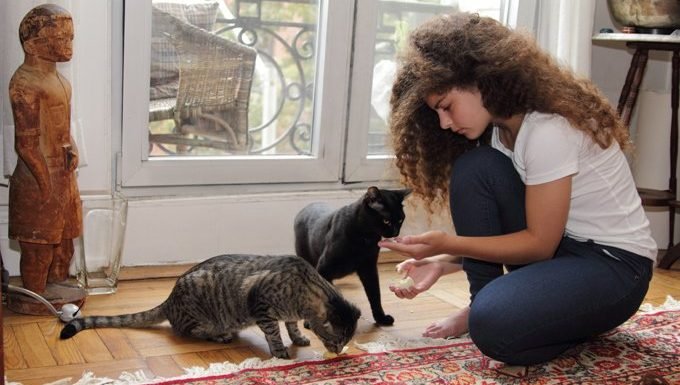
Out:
{"x": 359, "y": 165}
{"x": 137, "y": 170}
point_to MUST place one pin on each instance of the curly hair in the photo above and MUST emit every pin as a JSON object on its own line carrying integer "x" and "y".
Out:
{"x": 514, "y": 76}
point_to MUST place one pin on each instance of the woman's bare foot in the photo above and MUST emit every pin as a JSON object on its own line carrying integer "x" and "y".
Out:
{"x": 454, "y": 325}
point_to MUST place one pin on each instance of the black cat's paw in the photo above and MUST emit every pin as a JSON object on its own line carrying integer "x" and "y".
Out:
{"x": 306, "y": 325}
{"x": 384, "y": 320}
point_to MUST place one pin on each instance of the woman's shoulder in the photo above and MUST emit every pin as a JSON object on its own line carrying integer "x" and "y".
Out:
{"x": 535, "y": 118}
{"x": 548, "y": 133}
{"x": 546, "y": 125}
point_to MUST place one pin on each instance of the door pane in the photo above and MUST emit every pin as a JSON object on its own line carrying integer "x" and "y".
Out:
{"x": 395, "y": 20}
{"x": 232, "y": 77}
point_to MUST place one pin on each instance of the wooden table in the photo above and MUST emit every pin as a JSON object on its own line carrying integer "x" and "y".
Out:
{"x": 642, "y": 44}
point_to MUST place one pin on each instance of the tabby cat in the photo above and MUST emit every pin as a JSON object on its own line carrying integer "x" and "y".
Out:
{"x": 344, "y": 241}
{"x": 222, "y": 295}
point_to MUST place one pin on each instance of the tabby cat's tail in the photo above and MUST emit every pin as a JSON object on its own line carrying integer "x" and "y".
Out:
{"x": 136, "y": 320}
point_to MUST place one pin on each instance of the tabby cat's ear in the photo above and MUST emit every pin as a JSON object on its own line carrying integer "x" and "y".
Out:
{"x": 355, "y": 313}
{"x": 373, "y": 198}
{"x": 343, "y": 311}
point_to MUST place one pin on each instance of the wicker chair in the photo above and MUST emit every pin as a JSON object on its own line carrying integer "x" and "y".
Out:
{"x": 211, "y": 105}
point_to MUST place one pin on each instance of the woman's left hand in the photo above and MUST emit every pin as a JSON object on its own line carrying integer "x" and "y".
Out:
{"x": 424, "y": 274}
{"x": 419, "y": 246}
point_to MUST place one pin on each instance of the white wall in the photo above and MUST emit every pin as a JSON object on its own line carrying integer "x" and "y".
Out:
{"x": 187, "y": 229}
{"x": 181, "y": 230}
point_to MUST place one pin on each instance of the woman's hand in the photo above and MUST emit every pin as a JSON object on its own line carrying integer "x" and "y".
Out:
{"x": 418, "y": 246}
{"x": 424, "y": 274}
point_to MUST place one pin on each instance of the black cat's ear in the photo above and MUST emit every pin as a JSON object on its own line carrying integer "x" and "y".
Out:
{"x": 373, "y": 192}
{"x": 373, "y": 198}
{"x": 405, "y": 192}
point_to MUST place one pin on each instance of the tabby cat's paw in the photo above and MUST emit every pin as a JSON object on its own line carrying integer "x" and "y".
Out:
{"x": 384, "y": 320}
{"x": 224, "y": 338}
{"x": 283, "y": 354}
{"x": 301, "y": 341}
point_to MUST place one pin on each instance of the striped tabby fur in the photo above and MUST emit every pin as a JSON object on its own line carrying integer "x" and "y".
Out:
{"x": 217, "y": 298}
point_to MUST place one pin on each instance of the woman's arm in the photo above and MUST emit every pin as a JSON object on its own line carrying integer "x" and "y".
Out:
{"x": 547, "y": 207}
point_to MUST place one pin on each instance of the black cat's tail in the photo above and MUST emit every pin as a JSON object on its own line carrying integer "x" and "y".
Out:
{"x": 135, "y": 320}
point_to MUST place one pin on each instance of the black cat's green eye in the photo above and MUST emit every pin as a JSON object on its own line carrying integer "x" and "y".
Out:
{"x": 386, "y": 221}
{"x": 401, "y": 220}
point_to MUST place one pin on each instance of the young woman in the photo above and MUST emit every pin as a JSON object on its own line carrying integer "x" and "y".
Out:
{"x": 530, "y": 158}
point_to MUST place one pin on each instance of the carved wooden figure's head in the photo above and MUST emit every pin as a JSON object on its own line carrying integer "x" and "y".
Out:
{"x": 47, "y": 33}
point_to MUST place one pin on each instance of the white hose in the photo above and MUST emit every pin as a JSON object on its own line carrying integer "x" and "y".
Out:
{"x": 71, "y": 310}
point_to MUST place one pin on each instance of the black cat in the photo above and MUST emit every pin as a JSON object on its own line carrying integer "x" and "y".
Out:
{"x": 343, "y": 241}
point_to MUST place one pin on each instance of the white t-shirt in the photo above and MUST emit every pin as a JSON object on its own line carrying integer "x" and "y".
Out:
{"x": 605, "y": 205}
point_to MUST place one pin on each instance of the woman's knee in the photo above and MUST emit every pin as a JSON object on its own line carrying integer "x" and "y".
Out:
{"x": 494, "y": 338}
{"x": 486, "y": 194}
{"x": 478, "y": 168}
{"x": 477, "y": 160}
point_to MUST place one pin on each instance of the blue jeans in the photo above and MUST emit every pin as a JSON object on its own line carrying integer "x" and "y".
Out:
{"x": 535, "y": 312}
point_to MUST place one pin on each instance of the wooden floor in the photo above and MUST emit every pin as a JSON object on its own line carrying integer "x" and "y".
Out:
{"x": 35, "y": 355}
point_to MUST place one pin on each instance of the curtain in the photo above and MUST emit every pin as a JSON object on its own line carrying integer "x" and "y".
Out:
{"x": 565, "y": 29}
{"x": 562, "y": 27}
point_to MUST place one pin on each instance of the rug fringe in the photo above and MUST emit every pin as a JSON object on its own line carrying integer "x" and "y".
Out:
{"x": 670, "y": 304}
{"x": 139, "y": 377}
{"x": 228, "y": 367}
{"x": 386, "y": 343}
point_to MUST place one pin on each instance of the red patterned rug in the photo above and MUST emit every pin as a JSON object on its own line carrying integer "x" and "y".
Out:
{"x": 645, "y": 350}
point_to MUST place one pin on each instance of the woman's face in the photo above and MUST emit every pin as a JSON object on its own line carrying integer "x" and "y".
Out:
{"x": 461, "y": 111}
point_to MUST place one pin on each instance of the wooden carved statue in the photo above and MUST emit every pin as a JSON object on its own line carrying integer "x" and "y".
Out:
{"x": 44, "y": 203}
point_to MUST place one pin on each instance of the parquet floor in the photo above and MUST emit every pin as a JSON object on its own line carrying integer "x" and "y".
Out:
{"x": 35, "y": 355}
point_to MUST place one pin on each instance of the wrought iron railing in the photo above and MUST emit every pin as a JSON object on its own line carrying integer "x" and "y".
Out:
{"x": 281, "y": 121}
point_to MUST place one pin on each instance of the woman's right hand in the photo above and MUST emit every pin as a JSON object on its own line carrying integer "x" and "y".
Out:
{"x": 419, "y": 246}
{"x": 424, "y": 273}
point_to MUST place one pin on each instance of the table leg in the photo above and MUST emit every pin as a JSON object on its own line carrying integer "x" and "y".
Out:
{"x": 631, "y": 88}
{"x": 629, "y": 79}
{"x": 673, "y": 252}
